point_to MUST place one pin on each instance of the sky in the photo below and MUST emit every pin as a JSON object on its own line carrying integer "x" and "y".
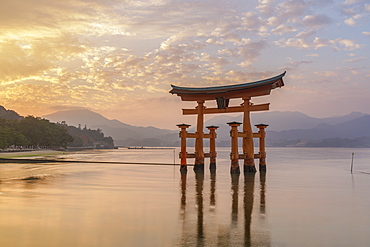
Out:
{"x": 119, "y": 57}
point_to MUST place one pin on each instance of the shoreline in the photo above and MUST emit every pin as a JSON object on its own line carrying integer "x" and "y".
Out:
{"x": 33, "y": 153}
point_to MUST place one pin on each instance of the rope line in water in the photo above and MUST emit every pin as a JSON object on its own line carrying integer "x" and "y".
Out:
{"x": 10, "y": 160}
{"x": 364, "y": 172}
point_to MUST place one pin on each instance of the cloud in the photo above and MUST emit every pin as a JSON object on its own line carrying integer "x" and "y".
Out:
{"x": 354, "y": 12}
{"x": 66, "y": 108}
{"x": 316, "y": 43}
{"x": 348, "y": 44}
{"x": 49, "y": 17}
{"x": 283, "y": 29}
{"x": 293, "y": 65}
{"x": 314, "y": 21}
{"x": 355, "y": 60}
{"x": 350, "y": 2}
{"x": 306, "y": 34}
{"x": 313, "y": 55}
{"x": 251, "y": 21}
{"x": 16, "y": 62}
{"x": 265, "y": 7}
{"x": 105, "y": 54}
{"x": 350, "y": 22}
{"x": 303, "y": 44}
{"x": 327, "y": 73}
{"x": 292, "y": 8}
{"x": 247, "y": 52}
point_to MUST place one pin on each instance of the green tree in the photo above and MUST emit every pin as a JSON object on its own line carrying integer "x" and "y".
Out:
{"x": 41, "y": 132}
{"x": 9, "y": 135}
{"x": 87, "y": 137}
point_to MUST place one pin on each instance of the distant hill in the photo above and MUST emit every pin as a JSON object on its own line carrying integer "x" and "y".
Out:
{"x": 279, "y": 121}
{"x": 285, "y": 129}
{"x": 123, "y": 134}
{"x": 9, "y": 114}
{"x": 290, "y": 128}
{"x": 359, "y": 127}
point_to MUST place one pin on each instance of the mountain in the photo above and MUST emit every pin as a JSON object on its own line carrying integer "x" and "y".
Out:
{"x": 123, "y": 134}
{"x": 279, "y": 121}
{"x": 8, "y": 114}
{"x": 285, "y": 128}
{"x": 355, "y": 128}
{"x": 298, "y": 129}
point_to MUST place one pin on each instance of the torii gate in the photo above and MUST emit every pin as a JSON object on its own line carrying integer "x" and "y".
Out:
{"x": 222, "y": 95}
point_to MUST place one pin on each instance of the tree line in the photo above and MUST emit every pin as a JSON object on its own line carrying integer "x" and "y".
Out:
{"x": 86, "y": 137}
{"x": 37, "y": 132}
{"x": 33, "y": 131}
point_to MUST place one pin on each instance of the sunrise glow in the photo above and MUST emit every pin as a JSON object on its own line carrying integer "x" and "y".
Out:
{"x": 118, "y": 58}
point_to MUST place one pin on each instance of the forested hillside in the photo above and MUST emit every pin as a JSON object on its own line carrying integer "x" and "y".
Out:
{"x": 21, "y": 132}
{"x": 89, "y": 137}
{"x": 32, "y": 131}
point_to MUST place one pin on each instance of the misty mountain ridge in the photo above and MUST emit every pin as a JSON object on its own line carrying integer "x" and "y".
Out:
{"x": 287, "y": 120}
{"x": 283, "y": 126}
{"x": 355, "y": 128}
{"x": 123, "y": 134}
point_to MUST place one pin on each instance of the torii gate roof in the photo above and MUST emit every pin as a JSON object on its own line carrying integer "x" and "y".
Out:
{"x": 244, "y": 90}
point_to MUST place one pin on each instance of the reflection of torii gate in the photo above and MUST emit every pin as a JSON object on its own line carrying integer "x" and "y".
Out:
{"x": 222, "y": 95}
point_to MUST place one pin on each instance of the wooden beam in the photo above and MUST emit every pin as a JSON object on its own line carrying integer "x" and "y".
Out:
{"x": 256, "y": 135}
{"x": 231, "y": 109}
{"x": 242, "y": 134}
{"x": 192, "y": 155}
{"x": 191, "y": 135}
{"x": 260, "y": 107}
{"x": 195, "y": 135}
{"x": 244, "y": 156}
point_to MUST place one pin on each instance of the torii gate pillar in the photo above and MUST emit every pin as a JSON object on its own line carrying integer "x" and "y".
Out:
{"x": 212, "y": 147}
{"x": 199, "y": 153}
{"x": 248, "y": 147}
{"x": 262, "y": 151}
{"x": 183, "y": 153}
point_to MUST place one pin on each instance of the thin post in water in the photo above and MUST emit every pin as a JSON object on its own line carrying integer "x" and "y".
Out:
{"x": 353, "y": 154}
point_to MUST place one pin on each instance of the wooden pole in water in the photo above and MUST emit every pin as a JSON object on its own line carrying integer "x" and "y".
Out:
{"x": 212, "y": 147}
{"x": 234, "y": 155}
{"x": 199, "y": 153}
{"x": 262, "y": 151}
{"x": 353, "y": 154}
{"x": 248, "y": 148}
{"x": 174, "y": 155}
{"x": 183, "y": 153}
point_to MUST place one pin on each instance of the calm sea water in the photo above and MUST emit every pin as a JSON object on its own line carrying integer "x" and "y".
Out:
{"x": 308, "y": 197}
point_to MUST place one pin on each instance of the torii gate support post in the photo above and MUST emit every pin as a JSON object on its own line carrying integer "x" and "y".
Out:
{"x": 199, "y": 153}
{"x": 212, "y": 147}
{"x": 248, "y": 147}
{"x": 234, "y": 155}
{"x": 183, "y": 153}
{"x": 262, "y": 151}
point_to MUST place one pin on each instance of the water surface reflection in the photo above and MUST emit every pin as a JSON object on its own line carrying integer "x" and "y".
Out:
{"x": 214, "y": 227}
{"x": 129, "y": 205}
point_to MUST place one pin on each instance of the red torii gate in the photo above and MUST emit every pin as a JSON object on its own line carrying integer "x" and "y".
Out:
{"x": 222, "y": 95}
